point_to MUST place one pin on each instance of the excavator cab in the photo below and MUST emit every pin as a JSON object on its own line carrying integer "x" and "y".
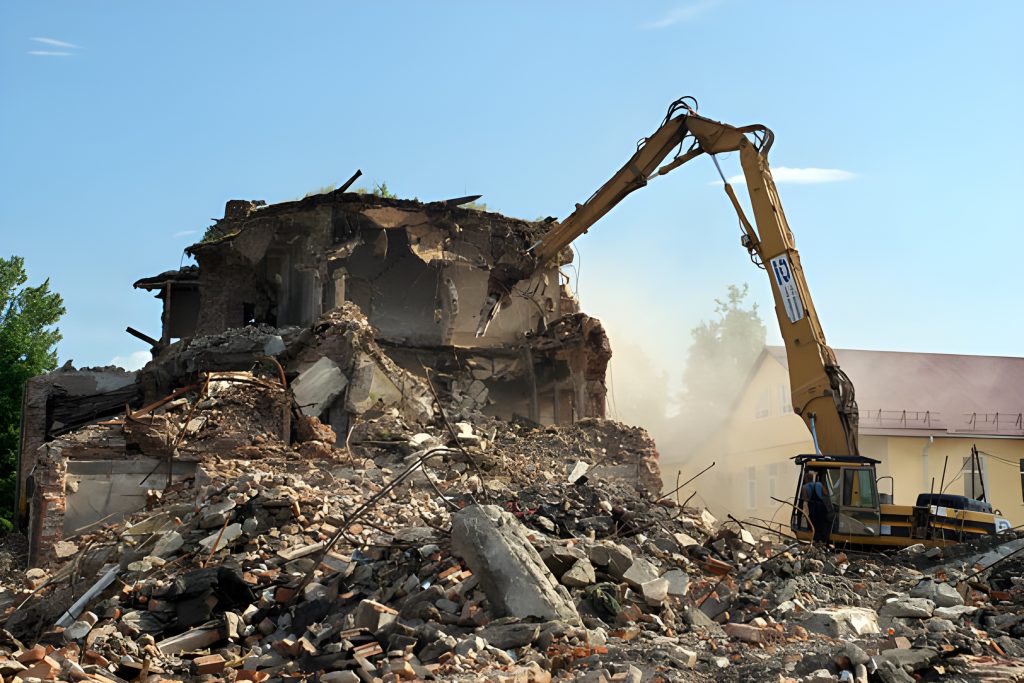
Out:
{"x": 851, "y": 485}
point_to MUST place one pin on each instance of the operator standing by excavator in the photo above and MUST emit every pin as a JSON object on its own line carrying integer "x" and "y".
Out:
{"x": 818, "y": 509}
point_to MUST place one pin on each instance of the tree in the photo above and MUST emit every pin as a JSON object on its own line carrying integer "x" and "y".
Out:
{"x": 28, "y": 337}
{"x": 719, "y": 359}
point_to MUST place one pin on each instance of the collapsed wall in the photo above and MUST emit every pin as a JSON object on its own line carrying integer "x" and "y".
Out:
{"x": 356, "y": 305}
{"x": 419, "y": 273}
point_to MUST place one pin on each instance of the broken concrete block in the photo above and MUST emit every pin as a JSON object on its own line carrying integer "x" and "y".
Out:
{"x": 641, "y": 571}
{"x": 168, "y": 544}
{"x": 470, "y": 644}
{"x": 497, "y": 549}
{"x": 909, "y": 661}
{"x": 578, "y": 471}
{"x": 510, "y": 636}
{"x": 954, "y": 612}
{"x": 580, "y": 574}
{"x": 78, "y": 630}
{"x": 561, "y": 558}
{"x": 941, "y": 593}
{"x": 906, "y": 607}
{"x": 612, "y": 556}
{"x": 370, "y": 386}
{"x": 655, "y": 591}
{"x": 682, "y": 656}
{"x": 684, "y": 540}
{"x": 841, "y": 621}
{"x": 317, "y": 386}
{"x": 64, "y": 549}
{"x": 194, "y": 639}
{"x": 215, "y": 515}
{"x": 374, "y": 616}
{"x": 678, "y": 582}
{"x": 220, "y": 539}
{"x": 347, "y": 676}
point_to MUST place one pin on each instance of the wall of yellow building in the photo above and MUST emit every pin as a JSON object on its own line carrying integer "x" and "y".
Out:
{"x": 753, "y": 454}
{"x": 912, "y": 467}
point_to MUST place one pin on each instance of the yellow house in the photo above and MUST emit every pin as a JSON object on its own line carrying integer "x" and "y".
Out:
{"x": 920, "y": 415}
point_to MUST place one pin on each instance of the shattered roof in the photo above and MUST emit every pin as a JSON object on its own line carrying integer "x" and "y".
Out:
{"x": 186, "y": 274}
{"x": 226, "y": 229}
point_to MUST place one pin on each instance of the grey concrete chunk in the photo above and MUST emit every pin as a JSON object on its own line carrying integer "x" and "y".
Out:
{"x": 955, "y": 612}
{"x": 510, "y": 636}
{"x": 906, "y": 607}
{"x": 580, "y": 574}
{"x": 373, "y": 616}
{"x": 909, "y": 661}
{"x": 678, "y": 582}
{"x": 561, "y": 558}
{"x": 941, "y": 593}
{"x": 641, "y": 571}
{"x": 317, "y": 386}
{"x": 615, "y": 558}
{"x": 841, "y": 621}
{"x": 496, "y": 548}
{"x": 168, "y": 544}
{"x": 655, "y": 591}
{"x": 221, "y": 539}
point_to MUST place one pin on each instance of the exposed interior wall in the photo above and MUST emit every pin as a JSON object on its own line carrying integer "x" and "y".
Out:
{"x": 107, "y": 490}
{"x": 183, "y": 312}
{"x": 419, "y": 272}
{"x": 64, "y": 399}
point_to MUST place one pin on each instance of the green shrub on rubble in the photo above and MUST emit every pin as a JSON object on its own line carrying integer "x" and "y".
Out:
{"x": 28, "y": 340}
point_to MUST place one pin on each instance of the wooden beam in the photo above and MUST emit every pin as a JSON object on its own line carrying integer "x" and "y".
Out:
{"x": 141, "y": 335}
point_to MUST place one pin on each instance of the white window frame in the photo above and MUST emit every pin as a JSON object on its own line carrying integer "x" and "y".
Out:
{"x": 751, "y": 488}
{"x": 979, "y": 478}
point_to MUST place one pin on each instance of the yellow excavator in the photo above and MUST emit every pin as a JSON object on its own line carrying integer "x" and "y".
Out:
{"x": 823, "y": 396}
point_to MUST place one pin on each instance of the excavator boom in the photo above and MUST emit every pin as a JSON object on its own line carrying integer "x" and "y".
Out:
{"x": 822, "y": 394}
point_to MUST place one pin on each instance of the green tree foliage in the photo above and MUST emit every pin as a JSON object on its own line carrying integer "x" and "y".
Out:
{"x": 719, "y": 359}
{"x": 28, "y": 337}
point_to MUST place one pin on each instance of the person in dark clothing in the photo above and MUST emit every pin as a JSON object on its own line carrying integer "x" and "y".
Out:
{"x": 818, "y": 508}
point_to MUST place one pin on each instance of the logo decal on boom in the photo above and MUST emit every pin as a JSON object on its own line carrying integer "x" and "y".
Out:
{"x": 788, "y": 292}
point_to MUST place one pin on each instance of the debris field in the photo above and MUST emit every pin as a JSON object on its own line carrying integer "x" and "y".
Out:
{"x": 329, "y": 514}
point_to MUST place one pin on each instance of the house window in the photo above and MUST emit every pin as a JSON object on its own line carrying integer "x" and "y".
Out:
{"x": 751, "y": 488}
{"x": 773, "y": 478}
{"x": 974, "y": 477}
{"x": 1022, "y": 478}
{"x": 785, "y": 399}
{"x": 764, "y": 405}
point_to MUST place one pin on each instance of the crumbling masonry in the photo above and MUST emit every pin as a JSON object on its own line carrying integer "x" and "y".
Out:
{"x": 358, "y": 299}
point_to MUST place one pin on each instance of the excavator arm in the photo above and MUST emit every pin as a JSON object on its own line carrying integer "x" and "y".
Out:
{"x": 823, "y": 395}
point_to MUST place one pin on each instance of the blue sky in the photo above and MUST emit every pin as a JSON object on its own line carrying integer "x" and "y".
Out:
{"x": 125, "y": 126}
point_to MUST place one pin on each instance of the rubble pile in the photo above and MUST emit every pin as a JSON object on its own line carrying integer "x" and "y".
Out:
{"x": 416, "y": 547}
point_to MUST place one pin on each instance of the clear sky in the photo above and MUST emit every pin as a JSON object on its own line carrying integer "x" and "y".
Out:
{"x": 125, "y": 126}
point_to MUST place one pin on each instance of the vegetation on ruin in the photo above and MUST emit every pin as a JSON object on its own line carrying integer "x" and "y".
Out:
{"x": 28, "y": 340}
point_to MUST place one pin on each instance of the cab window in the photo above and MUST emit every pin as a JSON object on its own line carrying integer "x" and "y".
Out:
{"x": 858, "y": 488}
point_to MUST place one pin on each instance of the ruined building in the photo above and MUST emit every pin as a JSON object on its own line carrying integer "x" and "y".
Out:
{"x": 355, "y": 301}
